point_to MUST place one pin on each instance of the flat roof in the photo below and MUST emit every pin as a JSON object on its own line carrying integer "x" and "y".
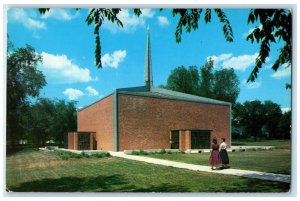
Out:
{"x": 155, "y": 92}
{"x": 168, "y": 94}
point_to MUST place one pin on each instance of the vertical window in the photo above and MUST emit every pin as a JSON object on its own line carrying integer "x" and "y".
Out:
{"x": 200, "y": 139}
{"x": 83, "y": 141}
{"x": 175, "y": 140}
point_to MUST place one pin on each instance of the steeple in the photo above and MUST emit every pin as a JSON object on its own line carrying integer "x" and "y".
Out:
{"x": 148, "y": 62}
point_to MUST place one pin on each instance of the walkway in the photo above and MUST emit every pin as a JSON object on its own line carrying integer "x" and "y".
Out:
{"x": 236, "y": 172}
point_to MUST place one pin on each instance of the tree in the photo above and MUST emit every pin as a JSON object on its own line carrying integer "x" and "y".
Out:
{"x": 272, "y": 115}
{"x": 285, "y": 125}
{"x": 220, "y": 84}
{"x": 24, "y": 81}
{"x": 65, "y": 120}
{"x": 207, "y": 79}
{"x": 184, "y": 80}
{"x": 51, "y": 120}
{"x": 226, "y": 85}
{"x": 251, "y": 116}
{"x": 257, "y": 117}
{"x": 42, "y": 117}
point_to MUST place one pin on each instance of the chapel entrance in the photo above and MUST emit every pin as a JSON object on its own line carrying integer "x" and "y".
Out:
{"x": 200, "y": 139}
{"x": 190, "y": 139}
{"x": 83, "y": 141}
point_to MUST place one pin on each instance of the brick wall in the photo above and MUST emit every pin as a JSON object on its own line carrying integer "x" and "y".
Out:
{"x": 71, "y": 136}
{"x": 99, "y": 118}
{"x": 145, "y": 122}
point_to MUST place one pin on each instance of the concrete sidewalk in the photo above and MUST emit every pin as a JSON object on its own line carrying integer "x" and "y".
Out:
{"x": 236, "y": 172}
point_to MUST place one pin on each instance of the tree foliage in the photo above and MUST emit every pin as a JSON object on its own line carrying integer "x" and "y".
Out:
{"x": 51, "y": 120}
{"x": 24, "y": 81}
{"x": 276, "y": 25}
{"x": 226, "y": 85}
{"x": 36, "y": 122}
{"x": 207, "y": 80}
{"x": 189, "y": 19}
{"x": 260, "y": 119}
{"x": 219, "y": 84}
{"x": 251, "y": 116}
{"x": 184, "y": 80}
{"x": 285, "y": 125}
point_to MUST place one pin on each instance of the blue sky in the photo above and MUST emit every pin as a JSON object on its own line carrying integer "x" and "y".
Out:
{"x": 67, "y": 45}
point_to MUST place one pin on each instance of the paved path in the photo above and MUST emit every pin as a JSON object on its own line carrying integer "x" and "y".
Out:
{"x": 236, "y": 172}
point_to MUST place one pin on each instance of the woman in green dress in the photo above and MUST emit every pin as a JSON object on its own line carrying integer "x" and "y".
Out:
{"x": 224, "y": 154}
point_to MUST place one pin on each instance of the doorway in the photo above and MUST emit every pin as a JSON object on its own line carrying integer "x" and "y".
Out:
{"x": 200, "y": 139}
{"x": 175, "y": 139}
{"x": 83, "y": 141}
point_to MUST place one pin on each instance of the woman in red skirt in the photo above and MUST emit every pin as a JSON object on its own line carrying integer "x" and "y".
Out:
{"x": 215, "y": 158}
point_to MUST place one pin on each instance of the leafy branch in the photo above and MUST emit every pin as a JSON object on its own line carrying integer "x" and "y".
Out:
{"x": 97, "y": 16}
{"x": 275, "y": 26}
{"x": 189, "y": 19}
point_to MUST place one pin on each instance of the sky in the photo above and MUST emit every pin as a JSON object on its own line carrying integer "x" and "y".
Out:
{"x": 67, "y": 46}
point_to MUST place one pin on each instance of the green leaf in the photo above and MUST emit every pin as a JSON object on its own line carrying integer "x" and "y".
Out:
{"x": 207, "y": 17}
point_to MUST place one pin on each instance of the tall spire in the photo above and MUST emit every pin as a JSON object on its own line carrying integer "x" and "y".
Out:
{"x": 148, "y": 62}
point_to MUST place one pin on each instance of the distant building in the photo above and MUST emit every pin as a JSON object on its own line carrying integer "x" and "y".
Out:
{"x": 147, "y": 117}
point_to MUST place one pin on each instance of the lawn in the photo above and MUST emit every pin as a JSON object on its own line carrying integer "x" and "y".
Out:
{"x": 277, "y": 160}
{"x": 279, "y": 144}
{"x": 36, "y": 171}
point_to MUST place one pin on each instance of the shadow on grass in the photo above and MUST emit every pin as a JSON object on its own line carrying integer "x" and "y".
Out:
{"x": 114, "y": 183}
{"x": 118, "y": 183}
{"x": 10, "y": 152}
{"x": 163, "y": 188}
{"x": 73, "y": 184}
{"x": 259, "y": 186}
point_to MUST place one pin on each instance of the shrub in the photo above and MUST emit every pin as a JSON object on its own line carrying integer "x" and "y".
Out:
{"x": 142, "y": 152}
{"x": 162, "y": 151}
{"x": 83, "y": 154}
{"x": 100, "y": 155}
{"x": 135, "y": 153}
{"x": 65, "y": 155}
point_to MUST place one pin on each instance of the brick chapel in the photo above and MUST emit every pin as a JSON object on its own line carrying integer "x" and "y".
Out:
{"x": 146, "y": 117}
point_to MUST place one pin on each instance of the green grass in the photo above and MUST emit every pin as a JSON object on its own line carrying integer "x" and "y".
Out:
{"x": 279, "y": 144}
{"x": 275, "y": 161}
{"x": 36, "y": 171}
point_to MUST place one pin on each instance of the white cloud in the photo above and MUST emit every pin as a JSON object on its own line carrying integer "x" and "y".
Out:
{"x": 113, "y": 60}
{"x": 60, "y": 14}
{"x": 92, "y": 91}
{"x": 73, "y": 94}
{"x": 252, "y": 85}
{"x": 147, "y": 13}
{"x": 285, "y": 109}
{"x": 129, "y": 20}
{"x": 59, "y": 69}
{"x": 240, "y": 62}
{"x": 251, "y": 29}
{"x": 163, "y": 21}
{"x": 220, "y": 58}
{"x": 19, "y": 15}
{"x": 285, "y": 72}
